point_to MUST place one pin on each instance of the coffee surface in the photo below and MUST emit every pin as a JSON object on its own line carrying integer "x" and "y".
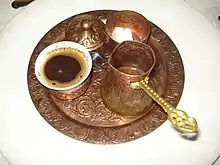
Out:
{"x": 62, "y": 68}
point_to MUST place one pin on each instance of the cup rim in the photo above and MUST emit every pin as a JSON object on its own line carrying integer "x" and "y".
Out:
{"x": 130, "y": 75}
{"x": 58, "y": 45}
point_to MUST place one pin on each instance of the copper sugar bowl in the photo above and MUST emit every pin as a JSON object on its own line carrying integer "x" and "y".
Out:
{"x": 88, "y": 31}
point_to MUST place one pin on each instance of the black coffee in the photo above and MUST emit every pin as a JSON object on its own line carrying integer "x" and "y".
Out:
{"x": 64, "y": 68}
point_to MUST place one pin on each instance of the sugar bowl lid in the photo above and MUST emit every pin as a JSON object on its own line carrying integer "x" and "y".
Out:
{"x": 86, "y": 30}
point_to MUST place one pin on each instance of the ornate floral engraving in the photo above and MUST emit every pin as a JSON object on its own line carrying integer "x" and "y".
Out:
{"x": 87, "y": 118}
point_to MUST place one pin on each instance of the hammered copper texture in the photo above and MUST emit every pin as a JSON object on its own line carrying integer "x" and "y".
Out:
{"x": 102, "y": 126}
{"x": 136, "y": 22}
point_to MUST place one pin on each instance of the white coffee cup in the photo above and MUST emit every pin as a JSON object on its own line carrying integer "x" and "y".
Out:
{"x": 58, "y": 47}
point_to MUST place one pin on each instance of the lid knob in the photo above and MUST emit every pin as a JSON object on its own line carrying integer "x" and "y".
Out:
{"x": 86, "y": 24}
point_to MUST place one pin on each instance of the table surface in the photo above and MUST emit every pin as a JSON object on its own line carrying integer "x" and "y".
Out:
{"x": 7, "y": 12}
{"x": 26, "y": 138}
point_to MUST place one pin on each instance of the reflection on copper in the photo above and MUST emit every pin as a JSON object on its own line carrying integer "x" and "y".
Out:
{"x": 122, "y": 34}
{"x": 127, "y": 25}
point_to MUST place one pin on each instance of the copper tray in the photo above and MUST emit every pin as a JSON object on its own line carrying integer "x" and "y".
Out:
{"x": 86, "y": 118}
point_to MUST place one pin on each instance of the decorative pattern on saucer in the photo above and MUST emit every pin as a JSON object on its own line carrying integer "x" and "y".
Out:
{"x": 87, "y": 118}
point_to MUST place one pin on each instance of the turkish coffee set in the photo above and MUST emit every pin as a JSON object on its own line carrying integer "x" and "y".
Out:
{"x": 108, "y": 77}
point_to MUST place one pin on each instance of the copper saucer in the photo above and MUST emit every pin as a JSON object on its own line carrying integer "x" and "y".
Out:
{"x": 86, "y": 118}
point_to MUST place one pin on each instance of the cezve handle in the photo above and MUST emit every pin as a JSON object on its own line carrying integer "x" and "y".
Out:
{"x": 180, "y": 120}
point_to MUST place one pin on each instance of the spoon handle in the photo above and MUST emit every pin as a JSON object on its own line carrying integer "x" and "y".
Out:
{"x": 180, "y": 120}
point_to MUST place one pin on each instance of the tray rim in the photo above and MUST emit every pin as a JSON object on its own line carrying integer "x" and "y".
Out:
{"x": 183, "y": 80}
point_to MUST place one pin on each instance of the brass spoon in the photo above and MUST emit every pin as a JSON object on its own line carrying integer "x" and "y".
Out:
{"x": 97, "y": 59}
{"x": 180, "y": 120}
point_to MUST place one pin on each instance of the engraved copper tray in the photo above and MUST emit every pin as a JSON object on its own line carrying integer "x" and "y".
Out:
{"x": 86, "y": 118}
